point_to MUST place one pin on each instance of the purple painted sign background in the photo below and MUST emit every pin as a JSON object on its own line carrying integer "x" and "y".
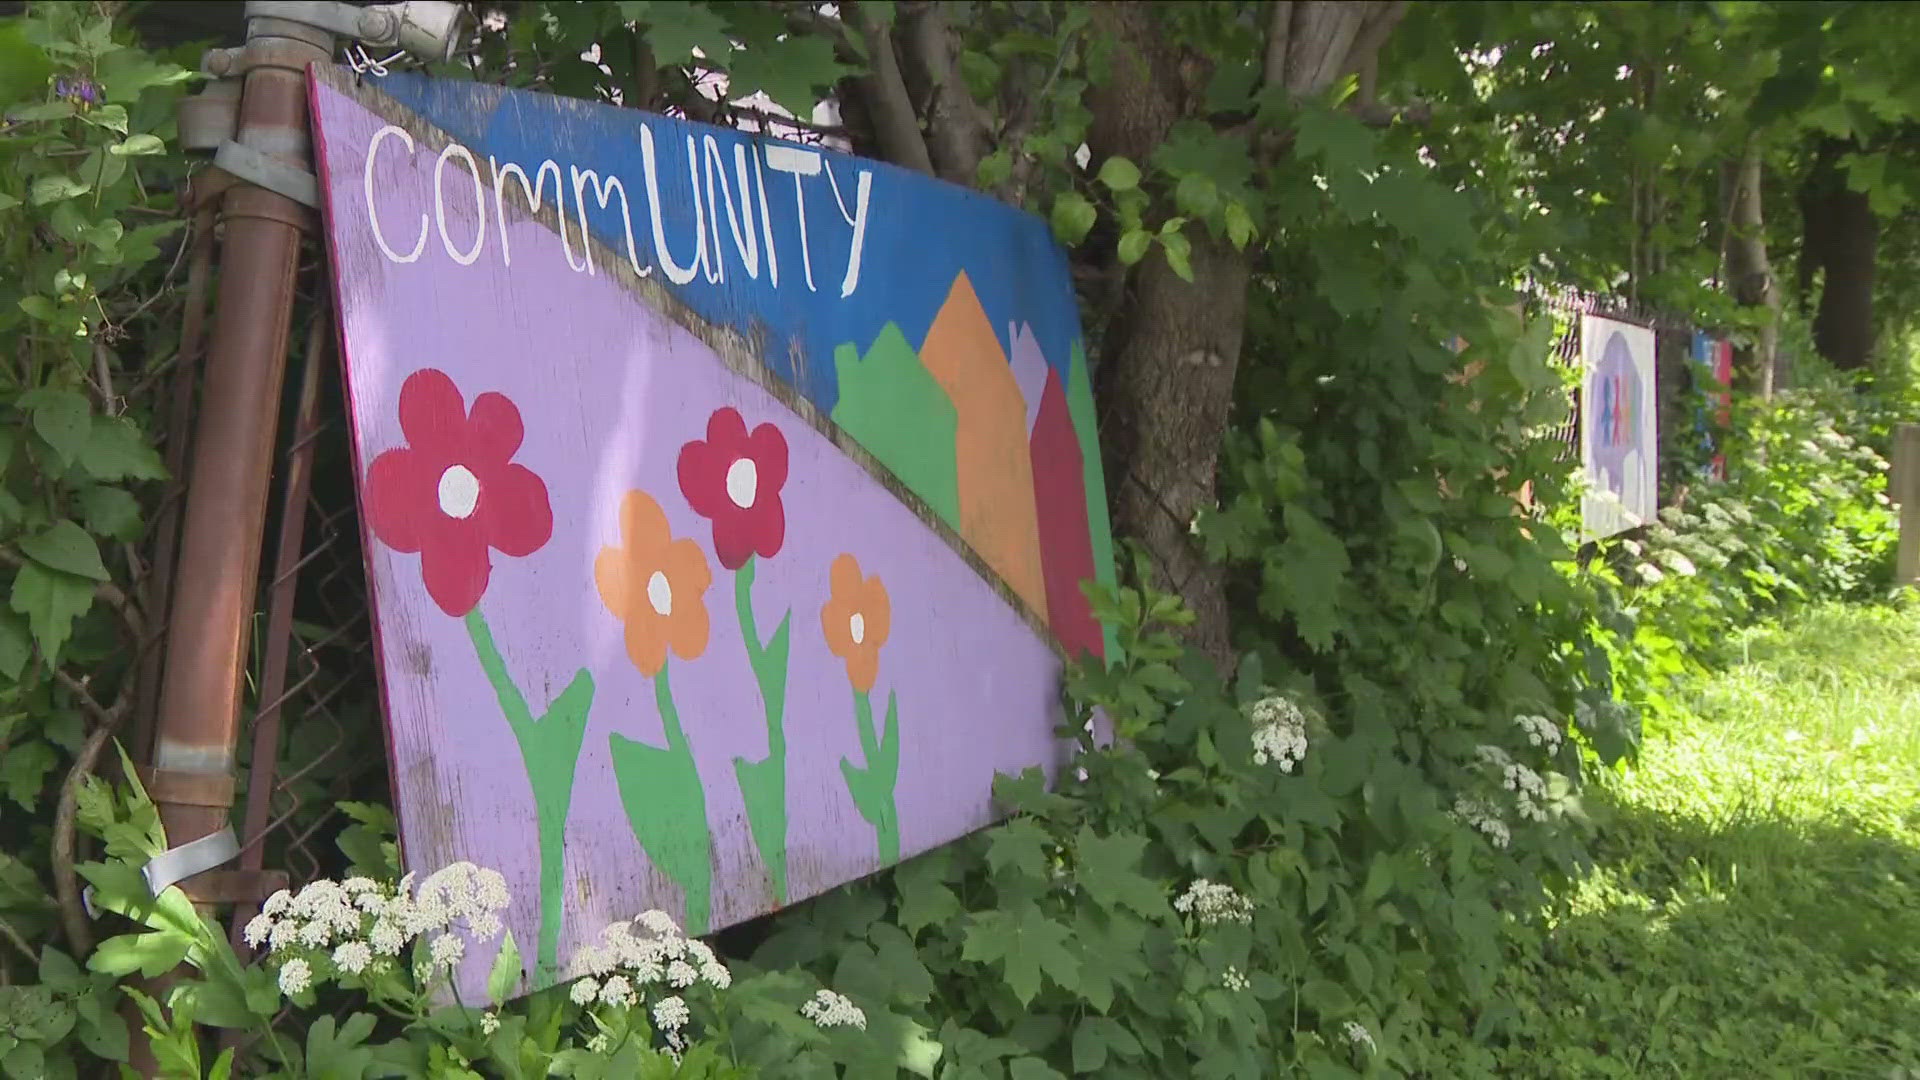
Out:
{"x": 609, "y": 392}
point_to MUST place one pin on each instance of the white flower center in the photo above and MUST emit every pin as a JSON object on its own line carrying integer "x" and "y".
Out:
{"x": 660, "y": 593}
{"x": 743, "y": 480}
{"x": 459, "y": 492}
{"x": 857, "y": 626}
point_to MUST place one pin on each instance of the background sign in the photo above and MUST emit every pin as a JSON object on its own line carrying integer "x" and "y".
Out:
{"x": 728, "y": 501}
{"x": 1619, "y": 440}
{"x": 1714, "y": 375}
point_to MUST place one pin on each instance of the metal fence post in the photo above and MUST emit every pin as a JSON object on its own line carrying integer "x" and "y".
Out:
{"x": 1903, "y": 487}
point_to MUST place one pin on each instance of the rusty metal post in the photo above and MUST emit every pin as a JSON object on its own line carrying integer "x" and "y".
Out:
{"x": 232, "y": 456}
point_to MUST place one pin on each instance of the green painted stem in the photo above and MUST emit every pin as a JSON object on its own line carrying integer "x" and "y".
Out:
{"x": 667, "y": 807}
{"x": 872, "y": 787}
{"x": 763, "y": 783}
{"x": 550, "y": 751}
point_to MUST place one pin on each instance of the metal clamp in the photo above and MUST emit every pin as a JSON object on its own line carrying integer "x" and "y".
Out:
{"x": 175, "y": 865}
{"x": 268, "y": 172}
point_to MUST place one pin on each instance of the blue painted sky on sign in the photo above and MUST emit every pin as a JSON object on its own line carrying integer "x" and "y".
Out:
{"x": 917, "y": 233}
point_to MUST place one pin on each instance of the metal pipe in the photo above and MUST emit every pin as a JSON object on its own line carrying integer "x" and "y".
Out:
{"x": 202, "y": 197}
{"x": 279, "y": 633}
{"x": 232, "y": 454}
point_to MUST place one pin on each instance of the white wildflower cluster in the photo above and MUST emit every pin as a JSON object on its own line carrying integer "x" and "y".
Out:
{"x": 618, "y": 971}
{"x": 1492, "y": 756}
{"x": 1540, "y": 732}
{"x": 1484, "y": 818}
{"x": 829, "y": 1010}
{"x": 1357, "y": 1035}
{"x": 1529, "y": 791}
{"x": 1212, "y": 902}
{"x": 1233, "y": 980}
{"x": 1279, "y": 733}
{"x": 356, "y": 923}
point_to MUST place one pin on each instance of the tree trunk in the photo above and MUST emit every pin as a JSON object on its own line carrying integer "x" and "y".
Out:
{"x": 1843, "y": 233}
{"x": 1750, "y": 274}
{"x": 1167, "y": 368}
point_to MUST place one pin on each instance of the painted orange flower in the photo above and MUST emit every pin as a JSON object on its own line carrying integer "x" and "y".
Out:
{"x": 856, "y": 620}
{"x": 656, "y": 585}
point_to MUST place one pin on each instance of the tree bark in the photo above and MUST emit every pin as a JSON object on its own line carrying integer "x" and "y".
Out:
{"x": 1750, "y": 274}
{"x": 1166, "y": 374}
{"x": 1842, "y": 235}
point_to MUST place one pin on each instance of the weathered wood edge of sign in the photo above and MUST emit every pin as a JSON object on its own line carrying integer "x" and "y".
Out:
{"x": 738, "y": 351}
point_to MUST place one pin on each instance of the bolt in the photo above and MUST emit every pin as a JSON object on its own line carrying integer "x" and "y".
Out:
{"x": 376, "y": 26}
{"x": 217, "y": 61}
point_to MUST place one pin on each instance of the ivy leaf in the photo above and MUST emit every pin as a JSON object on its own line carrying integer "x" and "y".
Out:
{"x": 789, "y": 70}
{"x": 1239, "y": 225}
{"x": 138, "y": 146}
{"x": 23, "y": 772}
{"x": 51, "y": 601}
{"x": 110, "y": 511}
{"x": 66, "y": 546}
{"x": 1019, "y": 844}
{"x": 16, "y": 645}
{"x": 674, "y": 31}
{"x": 61, "y": 417}
{"x": 925, "y": 898}
{"x": 1108, "y": 871}
{"x": 1133, "y": 245}
{"x": 1073, "y": 217}
{"x": 115, "y": 450}
{"x": 1179, "y": 254}
{"x": 55, "y": 188}
{"x": 1120, "y": 174}
{"x": 1023, "y": 945}
{"x": 506, "y": 974}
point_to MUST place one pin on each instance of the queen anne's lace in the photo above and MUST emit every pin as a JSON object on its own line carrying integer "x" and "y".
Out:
{"x": 828, "y": 1010}
{"x": 1279, "y": 733}
{"x": 1212, "y": 902}
{"x": 671, "y": 1013}
{"x": 1357, "y": 1034}
{"x": 1540, "y": 732}
{"x": 1481, "y": 816}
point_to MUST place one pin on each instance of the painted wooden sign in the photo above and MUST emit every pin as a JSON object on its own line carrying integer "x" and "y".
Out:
{"x": 1619, "y": 426}
{"x": 727, "y": 501}
{"x": 1713, "y": 368}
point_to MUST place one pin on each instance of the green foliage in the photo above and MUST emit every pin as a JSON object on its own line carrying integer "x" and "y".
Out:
{"x": 1802, "y": 517}
{"x": 1753, "y": 877}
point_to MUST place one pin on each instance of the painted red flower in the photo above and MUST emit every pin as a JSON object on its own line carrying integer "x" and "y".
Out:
{"x": 733, "y": 479}
{"x": 453, "y": 491}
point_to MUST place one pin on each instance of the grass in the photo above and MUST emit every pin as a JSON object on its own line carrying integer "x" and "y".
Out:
{"x": 1755, "y": 910}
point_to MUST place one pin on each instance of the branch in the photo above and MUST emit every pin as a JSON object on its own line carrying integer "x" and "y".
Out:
{"x": 884, "y": 91}
{"x": 1279, "y": 32}
{"x": 1374, "y": 29}
{"x": 957, "y": 134}
{"x": 73, "y": 913}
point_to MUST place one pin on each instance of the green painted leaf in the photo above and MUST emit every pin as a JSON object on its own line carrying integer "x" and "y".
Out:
{"x": 66, "y": 546}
